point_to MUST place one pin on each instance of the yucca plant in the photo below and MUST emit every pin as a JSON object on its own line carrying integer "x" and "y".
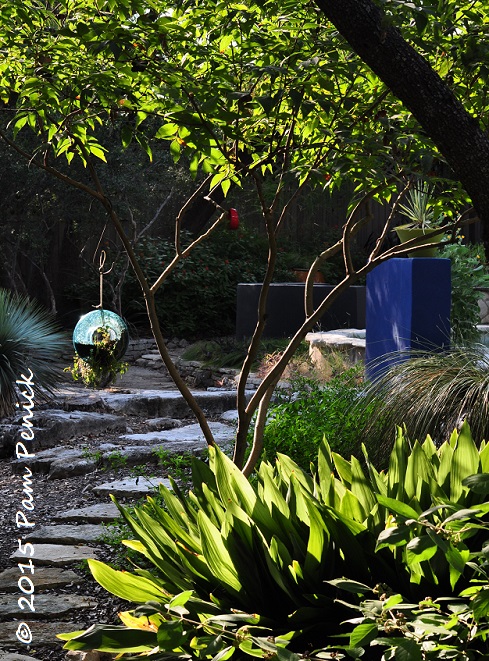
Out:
{"x": 419, "y": 207}
{"x": 242, "y": 568}
{"x": 432, "y": 394}
{"x": 29, "y": 340}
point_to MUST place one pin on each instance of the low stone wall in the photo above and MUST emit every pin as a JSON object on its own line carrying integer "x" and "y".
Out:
{"x": 139, "y": 347}
{"x": 144, "y": 353}
{"x": 484, "y": 306}
{"x": 199, "y": 375}
{"x": 146, "y": 346}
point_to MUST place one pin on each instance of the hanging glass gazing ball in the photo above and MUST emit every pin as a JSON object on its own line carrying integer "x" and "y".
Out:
{"x": 94, "y": 327}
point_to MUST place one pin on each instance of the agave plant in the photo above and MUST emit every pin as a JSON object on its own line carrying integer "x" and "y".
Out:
{"x": 29, "y": 341}
{"x": 432, "y": 394}
{"x": 251, "y": 568}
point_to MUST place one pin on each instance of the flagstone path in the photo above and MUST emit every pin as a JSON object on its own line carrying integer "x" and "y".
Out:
{"x": 74, "y": 442}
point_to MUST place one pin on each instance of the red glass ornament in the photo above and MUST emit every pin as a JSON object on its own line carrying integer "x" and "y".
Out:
{"x": 233, "y": 219}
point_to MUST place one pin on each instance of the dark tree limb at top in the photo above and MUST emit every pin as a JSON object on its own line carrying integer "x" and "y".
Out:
{"x": 411, "y": 79}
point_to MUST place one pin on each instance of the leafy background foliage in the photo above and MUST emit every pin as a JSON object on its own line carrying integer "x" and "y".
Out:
{"x": 468, "y": 271}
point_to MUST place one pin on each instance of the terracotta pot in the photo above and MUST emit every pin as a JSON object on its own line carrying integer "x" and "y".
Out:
{"x": 405, "y": 233}
{"x": 301, "y": 275}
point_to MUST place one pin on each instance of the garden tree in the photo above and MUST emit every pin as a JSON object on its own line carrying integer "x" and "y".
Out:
{"x": 438, "y": 66}
{"x": 51, "y": 234}
{"x": 255, "y": 91}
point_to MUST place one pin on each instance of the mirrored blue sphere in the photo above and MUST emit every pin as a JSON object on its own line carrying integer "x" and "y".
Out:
{"x": 87, "y": 332}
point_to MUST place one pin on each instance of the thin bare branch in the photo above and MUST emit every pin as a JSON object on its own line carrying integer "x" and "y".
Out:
{"x": 261, "y": 419}
{"x": 388, "y": 222}
{"x": 138, "y": 235}
{"x": 184, "y": 253}
{"x": 178, "y": 221}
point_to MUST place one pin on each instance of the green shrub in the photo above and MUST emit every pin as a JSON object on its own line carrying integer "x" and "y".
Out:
{"x": 199, "y": 297}
{"x": 449, "y": 540}
{"x": 297, "y": 424}
{"x": 467, "y": 272}
{"x": 250, "y": 569}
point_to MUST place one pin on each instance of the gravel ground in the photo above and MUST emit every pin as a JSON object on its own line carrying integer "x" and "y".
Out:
{"x": 51, "y": 497}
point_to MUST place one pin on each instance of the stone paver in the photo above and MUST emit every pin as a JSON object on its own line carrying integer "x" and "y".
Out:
{"x": 60, "y": 469}
{"x": 44, "y": 578}
{"x": 43, "y": 633}
{"x": 54, "y": 425}
{"x": 67, "y": 534}
{"x": 131, "y": 487}
{"x": 98, "y": 513}
{"x": 57, "y": 555}
{"x": 159, "y": 424}
{"x": 230, "y": 416}
{"x": 190, "y": 434}
{"x": 43, "y": 459}
{"x": 46, "y": 606}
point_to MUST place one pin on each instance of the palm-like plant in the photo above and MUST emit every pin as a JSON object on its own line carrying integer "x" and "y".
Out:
{"x": 29, "y": 340}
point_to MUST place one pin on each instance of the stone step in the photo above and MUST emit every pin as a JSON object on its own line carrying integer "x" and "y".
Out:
{"x": 99, "y": 513}
{"x": 44, "y": 578}
{"x": 48, "y": 606}
{"x": 74, "y": 461}
{"x": 126, "y": 450}
{"x": 190, "y": 437}
{"x": 134, "y": 487}
{"x": 67, "y": 534}
{"x": 51, "y": 426}
{"x": 57, "y": 555}
{"x": 146, "y": 402}
{"x": 80, "y": 401}
{"x": 169, "y": 403}
{"x": 43, "y": 633}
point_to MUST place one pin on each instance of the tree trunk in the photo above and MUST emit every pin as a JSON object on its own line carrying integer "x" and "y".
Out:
{"x": 409, "y": 76}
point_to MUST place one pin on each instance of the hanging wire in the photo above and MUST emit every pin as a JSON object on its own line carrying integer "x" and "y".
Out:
{"x": 103, "y": 257}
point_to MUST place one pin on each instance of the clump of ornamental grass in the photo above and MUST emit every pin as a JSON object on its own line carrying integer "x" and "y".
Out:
{"x": 431, "y": 394}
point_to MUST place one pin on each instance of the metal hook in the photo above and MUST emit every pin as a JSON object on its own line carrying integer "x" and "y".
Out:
{"x": 103, "y": 257}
